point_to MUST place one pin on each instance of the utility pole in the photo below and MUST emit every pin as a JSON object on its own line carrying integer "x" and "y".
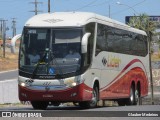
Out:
{"x": 1, "y": 28}
{"x": 49, "y": 6}
{"x": 13, "y": 27}
{"x": 4, "y": 35}
{"x": 109, "y": 11}
{"x": 36, "y": 7}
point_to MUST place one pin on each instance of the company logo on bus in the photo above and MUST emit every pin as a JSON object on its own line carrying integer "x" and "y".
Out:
{"x": 111, "y": 61}
{"x": 46, "y": 77}
{"x": 53, "y": 20}
{"x": 104, "y": 61}
{"x": 47, "y": 84}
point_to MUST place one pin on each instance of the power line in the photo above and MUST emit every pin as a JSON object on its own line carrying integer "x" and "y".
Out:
{"x": 36, "y": 7}
{"x": 86, "y": 5}
{"x": 100, "y": 4}
{"x": 128, "y": 8}
{"x": 10, "y": 1}
{"x": 138, "y": 3}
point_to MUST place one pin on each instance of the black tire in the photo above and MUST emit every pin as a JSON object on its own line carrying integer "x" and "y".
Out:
{"x": 40, "y": 105}
{"x": 121, "y": 102}
{"x": 93, "y": 102}
{"x": 55, "y": 103}
{"x": 131, "y": 99}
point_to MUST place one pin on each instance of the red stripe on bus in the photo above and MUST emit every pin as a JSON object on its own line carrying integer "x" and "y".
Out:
{"x": 125, "y": 68}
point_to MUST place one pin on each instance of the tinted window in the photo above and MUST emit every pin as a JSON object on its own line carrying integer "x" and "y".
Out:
{"x": 120, "y": 41}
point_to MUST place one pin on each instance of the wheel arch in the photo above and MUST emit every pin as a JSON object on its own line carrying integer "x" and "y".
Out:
{"x": 97, "y": 84}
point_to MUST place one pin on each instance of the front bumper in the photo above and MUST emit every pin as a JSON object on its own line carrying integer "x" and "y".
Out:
{"x": 80, "y": 92}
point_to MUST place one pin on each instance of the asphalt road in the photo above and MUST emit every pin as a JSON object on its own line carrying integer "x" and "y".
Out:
{"x": 77, "y": 108}
{"x": 144, "y": 112}
{"x": 9, "y": 75}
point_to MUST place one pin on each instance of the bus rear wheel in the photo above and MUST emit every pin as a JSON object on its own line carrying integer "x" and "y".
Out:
{"x": 138, "y": 98}
{"x": 93, "y": 102}
{"x": 40, "y": 105}
{"x": 131, "y": 100}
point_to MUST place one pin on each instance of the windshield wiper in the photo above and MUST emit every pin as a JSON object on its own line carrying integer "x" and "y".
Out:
{"x": 39, "y": 62}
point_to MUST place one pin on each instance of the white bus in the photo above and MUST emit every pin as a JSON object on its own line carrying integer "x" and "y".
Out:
{"x": 82, "y": 58}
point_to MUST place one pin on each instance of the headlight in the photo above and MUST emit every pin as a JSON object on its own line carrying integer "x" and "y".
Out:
{"x": 70, "y": 82}
{"x": 74, "y": 84}
{"x": 23, "y": 84}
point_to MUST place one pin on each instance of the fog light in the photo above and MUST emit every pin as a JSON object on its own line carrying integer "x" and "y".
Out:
{"x": 23, "y": 84}
{"x": 73, "y": 94}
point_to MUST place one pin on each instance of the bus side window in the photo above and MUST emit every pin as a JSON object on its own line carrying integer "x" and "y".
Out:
{"x": 145, "y": 45}
{"x": 101, "y": 44}
{"x": 141, "y": 45}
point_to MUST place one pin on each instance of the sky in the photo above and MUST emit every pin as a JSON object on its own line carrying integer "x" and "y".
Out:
{"x": 20, "y": 9}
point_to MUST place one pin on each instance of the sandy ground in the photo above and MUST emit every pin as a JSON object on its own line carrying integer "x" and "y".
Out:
{"x": 10, "y": 61}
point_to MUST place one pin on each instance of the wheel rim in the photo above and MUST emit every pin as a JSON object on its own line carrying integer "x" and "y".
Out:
{"x": 131, "y": 96}
{"x": 94, "y": 98}
{"x": 136, "y": 96}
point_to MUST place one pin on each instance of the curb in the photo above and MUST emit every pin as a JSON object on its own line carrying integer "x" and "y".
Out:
{"x": 8, "y": 71}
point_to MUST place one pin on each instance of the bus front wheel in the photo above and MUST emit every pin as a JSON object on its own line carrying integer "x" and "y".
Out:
{"x": 41, "y": 105}
{"x": 93, "y": 102}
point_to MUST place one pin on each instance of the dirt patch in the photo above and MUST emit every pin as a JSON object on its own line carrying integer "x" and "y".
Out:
{"x": 10, "y": 61}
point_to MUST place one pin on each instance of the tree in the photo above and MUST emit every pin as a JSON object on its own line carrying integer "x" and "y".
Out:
{"x": 143, "y": 22}
{"x": 157, "y": 33}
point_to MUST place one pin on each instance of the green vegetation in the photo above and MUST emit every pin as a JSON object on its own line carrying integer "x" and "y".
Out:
{"x": 143, "y": 23}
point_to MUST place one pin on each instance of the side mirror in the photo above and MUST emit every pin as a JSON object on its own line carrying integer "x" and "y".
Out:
{"x": 85, "y": 42}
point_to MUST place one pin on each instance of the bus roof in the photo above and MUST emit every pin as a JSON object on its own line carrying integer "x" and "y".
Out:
{"x": 75, "y": 19}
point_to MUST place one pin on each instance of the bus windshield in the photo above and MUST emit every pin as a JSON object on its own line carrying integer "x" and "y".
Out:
{"x": 53, "y": 51}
